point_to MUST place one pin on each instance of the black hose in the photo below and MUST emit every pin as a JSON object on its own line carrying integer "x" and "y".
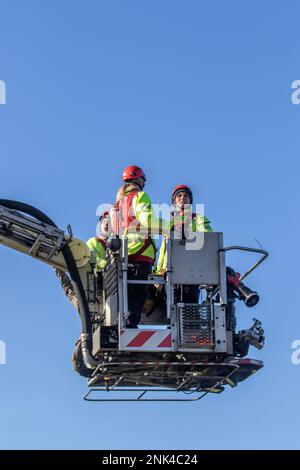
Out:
{"x": 27, "y": 209}
{"x": 84, "y": 312}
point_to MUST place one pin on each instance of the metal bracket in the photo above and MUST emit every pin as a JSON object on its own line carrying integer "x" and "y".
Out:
{"x": 220, "y": 328}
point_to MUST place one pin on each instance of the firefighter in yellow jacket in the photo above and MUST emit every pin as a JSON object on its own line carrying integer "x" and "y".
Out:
{"x": 99, "y": 243}
{"x": 182, "y": 199}
{"x": 133, "y": 216}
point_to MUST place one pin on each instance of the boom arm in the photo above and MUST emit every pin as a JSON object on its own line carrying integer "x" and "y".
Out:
{"x": 38, "y": 239}
{"x": 36, "y": 235}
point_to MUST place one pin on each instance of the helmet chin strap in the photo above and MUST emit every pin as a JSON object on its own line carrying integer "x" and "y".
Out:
{"x": 142, "y": 185}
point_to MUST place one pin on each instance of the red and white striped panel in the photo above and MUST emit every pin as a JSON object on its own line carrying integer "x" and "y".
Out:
{"x": 145, "y": 340}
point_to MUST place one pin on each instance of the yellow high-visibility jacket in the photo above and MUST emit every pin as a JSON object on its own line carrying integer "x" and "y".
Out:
{"x": 141, "y": 209}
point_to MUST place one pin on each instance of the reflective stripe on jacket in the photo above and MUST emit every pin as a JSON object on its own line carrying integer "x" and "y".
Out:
{"x": 143, "y": 212}
{"x": 138, "y": 214}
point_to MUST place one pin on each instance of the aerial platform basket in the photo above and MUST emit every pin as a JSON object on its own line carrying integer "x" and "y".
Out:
{"x": 181, "y": 347}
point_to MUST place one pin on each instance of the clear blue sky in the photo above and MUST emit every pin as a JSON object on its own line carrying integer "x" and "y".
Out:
{"x": 194, "y": 92}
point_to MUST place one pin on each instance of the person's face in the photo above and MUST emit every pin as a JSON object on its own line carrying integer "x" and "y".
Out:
{"x": 182, "y": 199}
{"x": 104, "y": 226}
{"x": 141, "y": 182}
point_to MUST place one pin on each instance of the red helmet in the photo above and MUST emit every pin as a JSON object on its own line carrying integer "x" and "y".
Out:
{"x": 133, "y": 172}
{"x": 182, "y": 188}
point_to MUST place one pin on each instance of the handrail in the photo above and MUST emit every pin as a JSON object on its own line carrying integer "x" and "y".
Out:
{"x": 253, "y": 250}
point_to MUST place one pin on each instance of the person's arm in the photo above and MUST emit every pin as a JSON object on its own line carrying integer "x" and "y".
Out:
{"x": 95, "y": 245}
{"x": 145, "y": 215}
{"x": 203, "y": 224}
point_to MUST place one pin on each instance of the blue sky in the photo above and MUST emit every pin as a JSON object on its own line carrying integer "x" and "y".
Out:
{"x": 197, "y": 93}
